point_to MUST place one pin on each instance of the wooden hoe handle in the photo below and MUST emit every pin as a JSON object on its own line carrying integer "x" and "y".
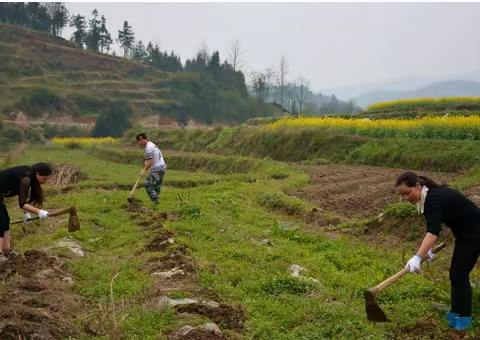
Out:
{"x": 52, "y": 214}
{"x": 401, "y": 273}
{"x": 130, "y": 195}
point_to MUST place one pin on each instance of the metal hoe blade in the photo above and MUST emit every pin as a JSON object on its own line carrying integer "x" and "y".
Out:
{"x": 374, "y": 312}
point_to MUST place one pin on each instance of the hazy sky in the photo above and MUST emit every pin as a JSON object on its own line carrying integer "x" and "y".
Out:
{"x": 331, "y": 44}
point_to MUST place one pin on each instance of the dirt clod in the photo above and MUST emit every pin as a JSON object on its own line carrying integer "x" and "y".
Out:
{"x": 160, "y": 242}
{"x": 225, "y": 316}
{"x": 27, "y": 265}
{"x": 197, "y": 334}
{"x": 170, "y": 261}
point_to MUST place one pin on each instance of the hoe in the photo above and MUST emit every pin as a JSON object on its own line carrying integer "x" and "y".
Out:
{"x": 73, "y": 222}
{"x": 374, "y": 312}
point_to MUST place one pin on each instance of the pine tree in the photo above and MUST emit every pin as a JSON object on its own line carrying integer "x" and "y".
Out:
{"x": 126, "y": 37}
{"x": 80, "y": 35}
{"x": 105, "y": 36}
{"x": 94, "y": 35}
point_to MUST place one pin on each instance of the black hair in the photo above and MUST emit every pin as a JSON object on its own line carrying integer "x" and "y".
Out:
{"x": 36, "y": 192}
{"x": 143, "y": 135}
{"x": 410, "y": 179}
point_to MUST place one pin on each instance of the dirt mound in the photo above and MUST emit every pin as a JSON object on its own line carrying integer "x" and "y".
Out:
{"x": 354, "y": 191}
{"x": 429, "y": 329}
{"x": 161, "y": 242}
{"x": 27, "y": 265}
{"x": 197, "y": 334}
{"x": 149, "y": 219}
{"x": 36, "y": 302}
{"x": 176, "y": 259}
{"x": 224, "y": 315}
{"x": 135, "y": 206}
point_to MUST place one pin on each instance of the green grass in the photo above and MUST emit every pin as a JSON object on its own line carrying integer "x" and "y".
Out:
{"x": 421, "y": 154}
{"x": 323, "y": 146}
{"x": 223, "y": 226}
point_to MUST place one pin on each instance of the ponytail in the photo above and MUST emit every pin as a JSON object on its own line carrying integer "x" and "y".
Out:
{"x": 430, "y": 183}
{"x": 410, "y": 179}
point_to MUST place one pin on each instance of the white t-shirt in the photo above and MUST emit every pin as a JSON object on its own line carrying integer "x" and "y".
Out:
{"x": 153, "y": 152}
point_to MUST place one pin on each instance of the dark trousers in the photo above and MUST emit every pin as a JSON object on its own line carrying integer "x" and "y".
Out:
{"x": 464, "y": 257}
{"x": 4, "y": 219}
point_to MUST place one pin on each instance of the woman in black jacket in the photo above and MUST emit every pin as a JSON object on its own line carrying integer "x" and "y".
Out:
{"x": 441, "y": 204}
{"x": 20, "y": 181}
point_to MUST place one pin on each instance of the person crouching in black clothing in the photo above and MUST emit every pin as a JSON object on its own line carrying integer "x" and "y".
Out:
{"x": 441, "y": 204}
{"x": 24, "y": 182}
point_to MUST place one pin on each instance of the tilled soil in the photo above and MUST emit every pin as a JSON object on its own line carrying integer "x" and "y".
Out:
{"x": 36, "y": 303}
{"x": 429, "y": 329}
{"x": 355, "y": 191}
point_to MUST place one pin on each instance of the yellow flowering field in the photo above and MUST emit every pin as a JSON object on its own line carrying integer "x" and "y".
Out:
{"x": 454, "y": 127}
{"x": 83, "y": 140}
{"x": 425, "y": 103}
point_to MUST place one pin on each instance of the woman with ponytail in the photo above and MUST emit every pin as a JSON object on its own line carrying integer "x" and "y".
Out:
{"x": 441, "y": 204}
{"x": 24, "y": 182}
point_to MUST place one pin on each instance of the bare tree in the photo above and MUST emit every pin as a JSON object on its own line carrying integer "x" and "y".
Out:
{"x": 261, "y": 83}
{"x": 269, "y": 77}
{"x": 290, "y": 98}
{"x": 302, "y": 90}
{"x": 236, "y": 57}
{"x": 282, "y": 78}
{"x": 204, "y": 51}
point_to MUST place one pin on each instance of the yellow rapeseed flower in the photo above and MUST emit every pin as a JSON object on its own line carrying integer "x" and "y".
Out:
{"x": 425, "y": 102}
{"x": 452, "y": 127}
{"x": 83, "y": 140}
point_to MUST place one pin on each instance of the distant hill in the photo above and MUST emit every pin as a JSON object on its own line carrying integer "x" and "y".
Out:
{"x": 51, "y": 79}
{"x": 435, "y": 90}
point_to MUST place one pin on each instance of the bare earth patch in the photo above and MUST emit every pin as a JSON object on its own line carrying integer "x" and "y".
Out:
{"x": 355, "y": 191}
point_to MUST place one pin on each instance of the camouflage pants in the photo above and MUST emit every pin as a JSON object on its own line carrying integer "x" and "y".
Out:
{"x": 153, "y": 185}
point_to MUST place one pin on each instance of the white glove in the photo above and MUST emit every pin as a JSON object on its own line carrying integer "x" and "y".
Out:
{"x": 26, "y": 216}
{"x": 431, "y": 256}
{"x": 414, "y": 264}
{"x": 42, "y": 214}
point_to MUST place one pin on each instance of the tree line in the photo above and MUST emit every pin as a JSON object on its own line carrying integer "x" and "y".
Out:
{"x": 50, "y": 17}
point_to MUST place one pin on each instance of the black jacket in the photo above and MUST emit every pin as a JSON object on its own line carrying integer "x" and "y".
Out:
{"x": 448, "y": 206}
{"x": 16, "y": 181}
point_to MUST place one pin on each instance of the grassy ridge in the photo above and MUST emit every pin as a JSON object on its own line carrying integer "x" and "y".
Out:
{"x": 298, "y": 144}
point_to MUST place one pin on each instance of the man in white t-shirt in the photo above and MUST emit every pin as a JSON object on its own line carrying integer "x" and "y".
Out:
{"x": 153, "y": 161}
